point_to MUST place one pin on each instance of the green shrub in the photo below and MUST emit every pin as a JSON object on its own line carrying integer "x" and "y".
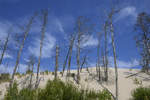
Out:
{"x": 56, "y": 90}
{"x": 28, "y": 71}
{"x": 141, "y": 93}
{"x": 71, "y": 75}
{"x": 24, "y": 94}
{"x": 27, "y": 94}
{"x": 17, "y": 73}
{"x": 104, "y": 95}
{"x": 137, "y": 82}
{"x": 4, "y": 77}
{"x": 46, "y": 72}
{"x": 12, "y": 93}
{"x": 61, "y": 73}
{"x": 53, "y": 73}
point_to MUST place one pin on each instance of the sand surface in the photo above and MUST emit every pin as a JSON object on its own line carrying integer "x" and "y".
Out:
{"x": 89, "y": 80}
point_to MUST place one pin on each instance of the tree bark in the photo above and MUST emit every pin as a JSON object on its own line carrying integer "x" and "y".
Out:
{"x": 56, "y": 61}
{"x": 84, "y": 60}
{"x": 70, "y": 55}
{"x": 45, "y": 15}
{"x": 78, "y": 50}
{"x": 98, "y": 61}
{"x": 21, "y": 48}
{"x": 5, "y": 48}
{"x": 114, "y": 53}
{"x": 106, "y": 60}
{"x": 30, "y": 84}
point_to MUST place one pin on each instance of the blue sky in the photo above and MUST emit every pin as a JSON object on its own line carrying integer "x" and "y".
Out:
{"x": 61, "y": 22}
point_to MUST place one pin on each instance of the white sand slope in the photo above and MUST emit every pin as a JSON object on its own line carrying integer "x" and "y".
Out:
{"x": 90, "y": 81}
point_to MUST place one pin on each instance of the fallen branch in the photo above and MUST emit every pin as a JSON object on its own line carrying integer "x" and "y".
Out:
{"x": 108, "y": 91}
{"x": 133, "y": 74}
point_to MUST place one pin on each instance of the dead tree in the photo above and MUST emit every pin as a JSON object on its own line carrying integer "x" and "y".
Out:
{"x": 104, "y": 62}
{"x": 84, "y": 60}
{"x": 143, "y": 39}
{"x": 45, "y": 16}
{"x": 31, "y": 62}
{"x": 4, "y": 48}
{"x": 65, "y": 62}
{"x": 28, "y": 27}
{"x": 105, "y": 57}
{"x": 70, "y": 54}
{"x": 114, "y": 50}
{"x": 83, "y": 30}
{"x": 56, "y": 61}
{"x": 98, "y": 56}
{"x": 78, "y": 48}
{"x": 97, "y": 70}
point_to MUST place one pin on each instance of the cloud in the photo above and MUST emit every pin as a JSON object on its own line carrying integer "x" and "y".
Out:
{"x": 5, "y": 69}
{"x": 4, "y": 28}
{"x": 125, "y": 12}
{"x": 124, "y": 64}
{"x": 59, "y": 25}
{"x": 7, "y": 56}
{"x": 89, "y": 40}
{"x": 49, "y": 43}
{"x": 22, "y": 68}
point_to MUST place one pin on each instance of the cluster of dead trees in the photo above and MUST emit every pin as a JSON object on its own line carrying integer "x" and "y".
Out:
{"x": 142, "y": 27}
{"x": 83, "y": 29}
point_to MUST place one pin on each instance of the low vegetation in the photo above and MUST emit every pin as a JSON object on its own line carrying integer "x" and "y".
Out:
{"x": 56, "y": 90}
{"x": 137, "y": 81}
{"x": 4, "y": 77}
{"x": 141, "y": 93}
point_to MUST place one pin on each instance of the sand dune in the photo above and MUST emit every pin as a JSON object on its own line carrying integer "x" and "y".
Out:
{"x": 89, "y": 80}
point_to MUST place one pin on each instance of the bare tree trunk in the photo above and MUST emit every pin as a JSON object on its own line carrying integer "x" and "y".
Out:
{"x": 21, "y": 47}
{"x": 106, "y": 60}
{"x": 56, "y": 61}
{"x": 45, "y": 15}
{"x": 5, "y": 47}
{"x": 70, "y": 54}
{"x": 114, "y": 53}
{"x": 78, "y": 50}
{"x": 30, "y": 84}
{"x": 97, "y": 71}
{"x": 69, "y": 62}
{"x": 65, "y": 62}
{"x": 98, "y": 55}
{"x": 84, "y": 60}
{"x": 98, "y": 62}
{"x": 104, "y": 64}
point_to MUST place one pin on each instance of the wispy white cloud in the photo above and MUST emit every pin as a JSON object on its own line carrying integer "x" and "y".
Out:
{"x": 55, "y": 25}
{"x": 5, "y": 69}
{"x": 127, "y": 11}
{"x": 89, "y": 40}
{"x": 22, "y": 68}
{"x": 49, "y": 43}
{"x": 8, "y": 56}
{"x": 124, "y": 64}
{"x": 59, "y": 25}
{"x": 4, "y": 28}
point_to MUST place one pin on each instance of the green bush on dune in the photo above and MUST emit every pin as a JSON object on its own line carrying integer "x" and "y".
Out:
{"x": 12, "y": 92}
{"x": 4, "y": 77}
{"x": 141, "y": 93}
{"x": 56, "y": 90}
